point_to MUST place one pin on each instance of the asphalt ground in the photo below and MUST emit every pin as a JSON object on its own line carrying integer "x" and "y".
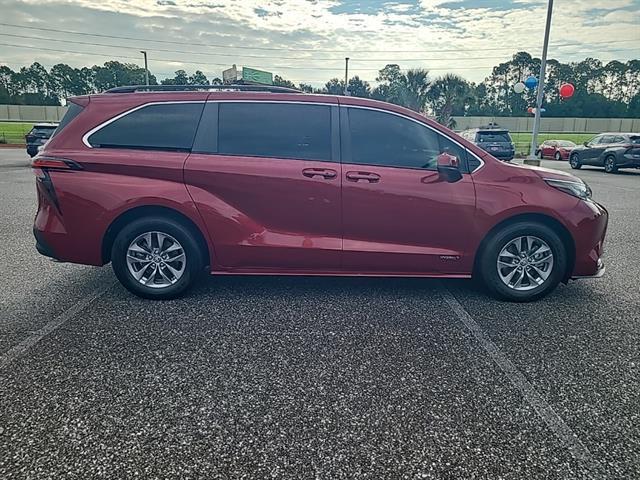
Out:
{"x": 320, "y": 378}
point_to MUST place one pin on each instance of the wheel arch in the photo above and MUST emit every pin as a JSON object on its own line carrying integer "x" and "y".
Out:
{"x": 543, "y": 219}
{"x": 135, "y": 213}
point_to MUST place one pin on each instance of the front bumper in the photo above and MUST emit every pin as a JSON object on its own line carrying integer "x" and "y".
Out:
{"x": 599, "y": 272}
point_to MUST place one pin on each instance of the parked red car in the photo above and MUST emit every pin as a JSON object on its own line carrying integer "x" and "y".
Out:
{"x": 164, "y": 184}
{"x": 556, "y": 149}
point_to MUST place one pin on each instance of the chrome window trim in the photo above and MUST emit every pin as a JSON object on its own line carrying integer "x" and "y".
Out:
{"x": 85, "y": 138}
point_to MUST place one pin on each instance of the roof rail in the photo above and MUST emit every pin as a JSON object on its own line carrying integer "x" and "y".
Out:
{"x": 184, "y": 88}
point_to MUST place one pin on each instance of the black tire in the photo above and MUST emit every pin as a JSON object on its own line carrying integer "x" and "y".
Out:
{"x": 193, "y": 257}
{"x": 487, "y": 269}
{"x": 558, "y": 156}
{"x": 610, "y": 164}
{"x": 574, "y": 161}
{"x": 539, "y": 154}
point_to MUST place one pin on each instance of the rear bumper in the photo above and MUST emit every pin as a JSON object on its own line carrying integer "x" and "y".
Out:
{"x": 42, "y": 246}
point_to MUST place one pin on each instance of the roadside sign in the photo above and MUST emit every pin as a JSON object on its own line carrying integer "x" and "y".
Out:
{"x": 230, "y": 75}
{"x": 257, "y": 76}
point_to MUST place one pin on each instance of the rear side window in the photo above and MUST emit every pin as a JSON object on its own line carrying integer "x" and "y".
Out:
{"x": 490, "y": 137}
{"x": 72, "y": 112}
{"x": 379, "y": 138}
{"x": 167, "y": 126}
{"x": 275, "y": 130}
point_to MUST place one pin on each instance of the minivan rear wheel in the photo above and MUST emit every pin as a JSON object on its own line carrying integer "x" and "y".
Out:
{"x": 156, "y": 258}
{"x": 523, "y": 262}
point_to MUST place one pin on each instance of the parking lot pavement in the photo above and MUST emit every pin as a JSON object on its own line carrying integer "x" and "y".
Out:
{"x": 248, "y": 377}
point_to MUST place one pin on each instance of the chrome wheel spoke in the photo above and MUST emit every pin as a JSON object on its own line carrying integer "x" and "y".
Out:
{"x": 172, "y": 248}
{"x": 135, "y": 247}
{"x": 164, "y": 275}
{"x": 140, "y": 273}
{"x": 177, "y": 258}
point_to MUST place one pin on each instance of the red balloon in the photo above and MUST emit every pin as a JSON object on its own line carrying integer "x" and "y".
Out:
{"x": 566, "y": 90}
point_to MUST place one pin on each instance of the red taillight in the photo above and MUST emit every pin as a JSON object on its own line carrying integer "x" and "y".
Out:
{"x": 55, "y": 163}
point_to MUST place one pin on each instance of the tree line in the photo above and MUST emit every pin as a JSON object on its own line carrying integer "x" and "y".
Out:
{"x": 601, "y": 90}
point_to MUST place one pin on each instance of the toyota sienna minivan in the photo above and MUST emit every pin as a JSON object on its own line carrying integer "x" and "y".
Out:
{"x": 166, "y": 183}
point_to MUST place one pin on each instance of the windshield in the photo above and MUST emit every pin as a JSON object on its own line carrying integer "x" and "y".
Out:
{"x": 486, "y": 137}
{"x": 42, "y": 131}
{"x": 565, "y": 143}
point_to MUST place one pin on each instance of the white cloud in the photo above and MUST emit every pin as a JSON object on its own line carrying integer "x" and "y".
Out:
{"x": 315, "y": 39}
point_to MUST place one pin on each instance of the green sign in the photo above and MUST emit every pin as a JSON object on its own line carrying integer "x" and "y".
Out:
{"x": 257, "y": 76}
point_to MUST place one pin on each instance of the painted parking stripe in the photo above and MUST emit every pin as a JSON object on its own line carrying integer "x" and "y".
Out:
{"x": 24, "y": 346}
{"x": 567, "y": 436}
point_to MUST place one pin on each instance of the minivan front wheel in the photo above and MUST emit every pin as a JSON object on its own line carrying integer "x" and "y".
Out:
{"x": 523, "y": 262}
{"x": 156, "y": 258}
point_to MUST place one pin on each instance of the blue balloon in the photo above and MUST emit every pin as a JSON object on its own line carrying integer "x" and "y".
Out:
{"x": 531, "y": 82}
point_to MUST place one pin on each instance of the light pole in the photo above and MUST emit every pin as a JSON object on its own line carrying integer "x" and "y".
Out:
{"x": 346, "y": 76}
{"x": 146, "y": 67}
{"x": 531, "y": 159}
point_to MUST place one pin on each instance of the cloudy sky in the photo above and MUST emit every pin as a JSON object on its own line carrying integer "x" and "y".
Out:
{"x": 306, "y": 41}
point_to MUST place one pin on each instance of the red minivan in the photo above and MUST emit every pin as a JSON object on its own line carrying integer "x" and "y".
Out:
{"x": 164, "y": 182}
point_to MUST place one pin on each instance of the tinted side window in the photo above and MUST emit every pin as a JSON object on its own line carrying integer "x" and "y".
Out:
{"x": 606, "y": 139}
{"x": 72, "y": 112}
{"x": 618, "y": 139}
{"x": 169, "y": 126}
{"x": 379, "y": 138}
{"x": 277, "y": 130}
{"x": 595, "y": 140}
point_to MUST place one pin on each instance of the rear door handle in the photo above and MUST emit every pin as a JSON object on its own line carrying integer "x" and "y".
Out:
{"x": 368, "y": 176}
{"x": 326, "y": 173}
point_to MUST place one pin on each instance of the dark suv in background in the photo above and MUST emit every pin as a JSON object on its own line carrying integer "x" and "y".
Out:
{"x": 494, "y": 140}
{"x": 609, "y": 150}
{"x": 38, "y": 136}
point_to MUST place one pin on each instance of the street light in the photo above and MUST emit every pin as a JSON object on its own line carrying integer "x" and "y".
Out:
{"x": 531, "y": 159}
{"x": 146, "y": 67}
{"x": 346, "y": 76}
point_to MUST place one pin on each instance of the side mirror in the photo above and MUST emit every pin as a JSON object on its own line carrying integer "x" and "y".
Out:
{"x": 586, "y": 144}
{"x": 449, "y": 167}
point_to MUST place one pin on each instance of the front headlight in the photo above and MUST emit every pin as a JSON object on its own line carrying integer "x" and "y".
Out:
{"x": 576, "y": 188}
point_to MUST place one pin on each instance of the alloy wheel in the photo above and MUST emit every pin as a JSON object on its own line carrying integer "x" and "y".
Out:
{"x": 156, "y": 259}
{"x": 525, "y": 263}
{"x": 575, "y": 163}
{"x": 610, "y": 165}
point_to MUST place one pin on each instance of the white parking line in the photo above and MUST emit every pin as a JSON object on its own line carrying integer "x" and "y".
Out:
{"x": 567, "y": 436}
{"x": 24, "y": 346}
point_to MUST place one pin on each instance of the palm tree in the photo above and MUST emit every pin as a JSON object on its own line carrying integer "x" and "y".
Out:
{"x": 448, "y": 95}
{"x": 415, "y": 87}
{"x": 408, "y": 89}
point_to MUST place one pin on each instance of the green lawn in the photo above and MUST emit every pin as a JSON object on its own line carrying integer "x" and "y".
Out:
{"x": 522, "y": 140}
{"x": 14, "y": 132}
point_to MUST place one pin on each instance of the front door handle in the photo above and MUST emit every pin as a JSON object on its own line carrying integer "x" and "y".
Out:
{"x": 368, "y": 176}
{"x": 320, "y": 172}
